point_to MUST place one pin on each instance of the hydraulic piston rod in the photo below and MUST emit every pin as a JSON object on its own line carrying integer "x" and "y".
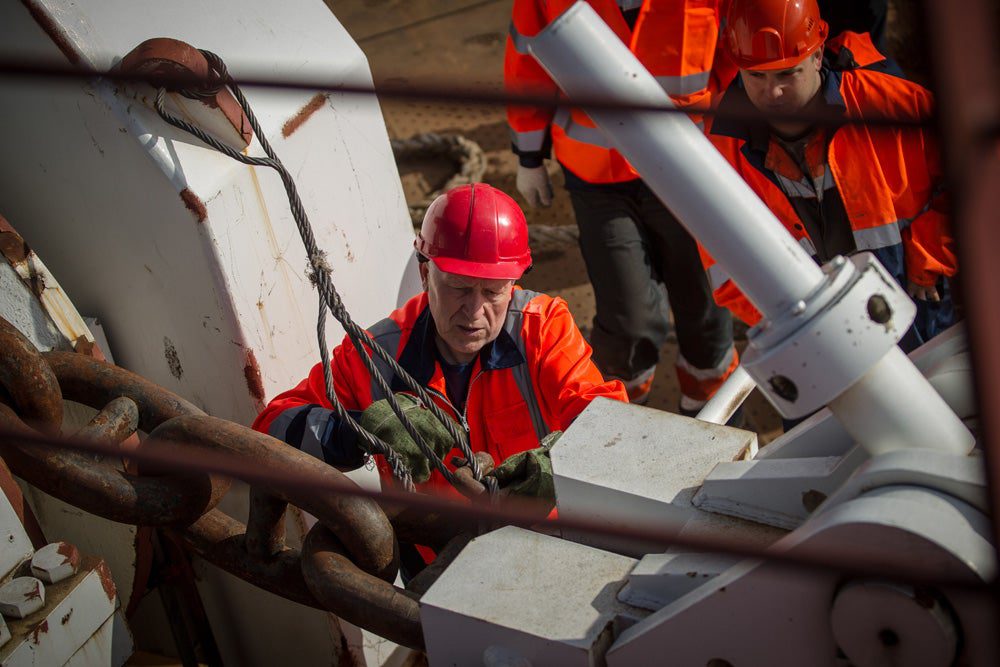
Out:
{"x": 795, "y": 296}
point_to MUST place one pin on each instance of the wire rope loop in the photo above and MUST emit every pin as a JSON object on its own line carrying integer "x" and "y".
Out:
{"x": 328, "y": 293}
{"x": 492, "y": 487}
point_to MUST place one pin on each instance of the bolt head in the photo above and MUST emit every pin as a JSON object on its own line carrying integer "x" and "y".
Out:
{"x": 879, "y": 310}
{"x": 55, "y": 562}
{"x": 21, "y": 597}
{"x": 784, "y": 387}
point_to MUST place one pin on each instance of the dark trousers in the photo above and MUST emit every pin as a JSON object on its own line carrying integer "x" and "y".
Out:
{"x": 631, "y": 244}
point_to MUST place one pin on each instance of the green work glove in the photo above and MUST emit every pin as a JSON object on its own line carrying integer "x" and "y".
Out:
{"x": 529, "y": 473}
{"x": 379, "y": 420}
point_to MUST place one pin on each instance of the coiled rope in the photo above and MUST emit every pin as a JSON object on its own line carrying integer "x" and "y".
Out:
{"x": 466, "y": 153}
{"x": 471, "y": 162}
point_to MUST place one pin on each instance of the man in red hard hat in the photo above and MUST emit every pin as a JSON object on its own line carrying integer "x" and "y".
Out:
{"x": 509, "y": 365}
{"x": 843, "y": 188}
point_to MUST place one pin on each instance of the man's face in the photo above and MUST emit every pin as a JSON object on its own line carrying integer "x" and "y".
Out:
{"x": 468, "y": 312}
{"x": 784, "y": 91}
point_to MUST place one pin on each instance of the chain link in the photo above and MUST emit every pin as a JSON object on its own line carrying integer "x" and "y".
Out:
{"x": 354, "y": 584}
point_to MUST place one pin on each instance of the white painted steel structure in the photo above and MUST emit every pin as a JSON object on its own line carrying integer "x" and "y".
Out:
{"x": 92, "y": 178}
{"x": 200, "y": 301}
{"x": 908, "y": 493}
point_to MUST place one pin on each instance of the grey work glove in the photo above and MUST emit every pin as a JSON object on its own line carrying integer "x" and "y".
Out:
{"x": 534, "y": 185}
{"x": 529, "y": 473}
{"x": 379, "y": 420}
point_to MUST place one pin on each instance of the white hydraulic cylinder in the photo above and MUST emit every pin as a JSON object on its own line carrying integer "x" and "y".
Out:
{"x": 886, "y": 407}
{"x": 587, "y": 61}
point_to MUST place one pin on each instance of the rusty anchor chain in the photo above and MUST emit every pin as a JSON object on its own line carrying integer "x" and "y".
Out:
{"x": 32, "y": 379}
{"x": 29, "y": 382}
{"x": 349, "y": 558}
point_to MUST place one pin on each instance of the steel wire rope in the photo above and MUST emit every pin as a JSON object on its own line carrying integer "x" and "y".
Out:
{"x": 330, "y": 298}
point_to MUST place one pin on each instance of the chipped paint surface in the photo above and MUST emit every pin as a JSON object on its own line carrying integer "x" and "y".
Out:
{"x": 43, "y": 285}
{"x": 296, "y": 121}
{"x": 12, "y": 246}
{"x": 39, "y": 629}
{"x": 251, "y": 371}
{"x": 55, "y": 562}
{"x": 173, "y": 360}
{"x": 107, "y": 583}
{"x": 52, "y": 28}
{"x": 68, "y": 552}
{"x": 194, "y": 204}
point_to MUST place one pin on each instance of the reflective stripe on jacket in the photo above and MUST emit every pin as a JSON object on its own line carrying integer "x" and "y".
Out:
{"x": 536, "y": 377}
{"x": 674, "y": 39}
{"x": 887, "y": 177}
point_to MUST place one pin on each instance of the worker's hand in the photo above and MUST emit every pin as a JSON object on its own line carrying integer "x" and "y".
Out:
{"x": 381, "y": 421}
{"x": 466, "y": 483}
{"x": 529, "y": 473}
{"x": 534, "y": 185}
{"x": 921, "y": 293}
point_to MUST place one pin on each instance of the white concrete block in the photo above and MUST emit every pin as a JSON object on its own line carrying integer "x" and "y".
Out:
{"x": 525, "y": 598}
{"x": 623, "y": 463}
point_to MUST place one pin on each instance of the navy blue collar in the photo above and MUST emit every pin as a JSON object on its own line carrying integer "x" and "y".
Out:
{"x": 420, "y": 354}
{"x": 757, "y": 133}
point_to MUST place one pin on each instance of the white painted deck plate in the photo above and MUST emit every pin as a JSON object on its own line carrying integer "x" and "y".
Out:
{"x": 16, "y": 545}
{"x": 531, "y": 595}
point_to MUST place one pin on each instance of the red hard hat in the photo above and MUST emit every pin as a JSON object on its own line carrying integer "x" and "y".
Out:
{"x": 773, "y": 34}
{"x": 478, "y": 231}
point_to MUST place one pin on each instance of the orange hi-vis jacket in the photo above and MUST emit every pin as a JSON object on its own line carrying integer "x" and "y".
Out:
{"x": 888, "y": 177}
{"x": 535, "y": 378}
{"x": 676, "y": 41}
